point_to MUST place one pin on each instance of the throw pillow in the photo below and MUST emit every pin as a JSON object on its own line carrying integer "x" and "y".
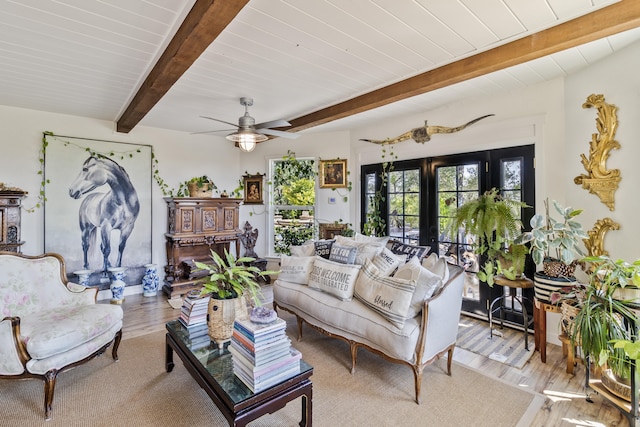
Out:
{"x": 362, "y": 238}
{"x": 409, "y": 251}
{"x": 306, "y": 249}
{"x": 387, "y": 262}
{"x": 343, "y": 254}
{"x": 334, "y": 278}
{"x": 323, "y": 248}
{"x": 296, "y": 269}
{"x": 437, "y": 265}
{"x": 388, "y": 296}
{"x": 365, "y": 250}
{"x": 426, "y": 283}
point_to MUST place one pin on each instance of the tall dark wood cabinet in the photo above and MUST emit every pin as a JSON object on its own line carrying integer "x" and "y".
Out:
{"x": 194, "y": 227}
{"x": 10, "y": 216}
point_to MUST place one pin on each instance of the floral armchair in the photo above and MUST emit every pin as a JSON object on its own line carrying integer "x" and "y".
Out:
{"x": 48, "y": 324}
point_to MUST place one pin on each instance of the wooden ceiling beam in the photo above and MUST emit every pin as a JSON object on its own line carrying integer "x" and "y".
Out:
{"x": 605, "y": 22}
{"x": 205, "y": 21}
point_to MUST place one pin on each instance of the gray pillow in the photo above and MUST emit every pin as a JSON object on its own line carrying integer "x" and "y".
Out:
{"x": 343, "y": 254}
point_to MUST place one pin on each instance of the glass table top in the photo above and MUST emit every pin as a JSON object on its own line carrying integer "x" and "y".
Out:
{"x": 218, "y": 364}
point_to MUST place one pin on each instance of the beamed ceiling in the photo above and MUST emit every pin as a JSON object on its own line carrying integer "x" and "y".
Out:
{"x": 320, "y": 64}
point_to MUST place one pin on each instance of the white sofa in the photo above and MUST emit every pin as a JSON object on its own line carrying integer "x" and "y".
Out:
{"x": 421, "y": 340}
{"x": 47, "y": 324}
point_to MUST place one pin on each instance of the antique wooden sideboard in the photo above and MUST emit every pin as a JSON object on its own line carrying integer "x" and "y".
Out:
{"x": 10, "y": 217}
{"x": 194, "y": 227}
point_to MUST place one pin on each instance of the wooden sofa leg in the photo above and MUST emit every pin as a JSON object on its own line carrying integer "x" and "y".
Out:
{"x": 417, "y": 376}
{"x": 354, "y": 356}
{"x": 116, "y": 344}
{"x": 49, "y": 387}
{"x": 300, "y": 321}
{"x": 450, "y": 359}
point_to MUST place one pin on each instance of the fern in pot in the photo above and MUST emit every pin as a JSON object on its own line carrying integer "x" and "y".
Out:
{"x": 494, "y": 221}
{"x": 230, "y": 281}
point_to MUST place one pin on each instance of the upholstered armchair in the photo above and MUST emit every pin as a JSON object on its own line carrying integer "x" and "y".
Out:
{"x": 49, "y": 324}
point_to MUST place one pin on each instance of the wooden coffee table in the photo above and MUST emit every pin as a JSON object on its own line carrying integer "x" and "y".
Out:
{"x": 213, "y": 371}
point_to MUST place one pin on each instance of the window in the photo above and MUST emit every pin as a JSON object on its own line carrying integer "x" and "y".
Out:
{"x": 293, "y": 199}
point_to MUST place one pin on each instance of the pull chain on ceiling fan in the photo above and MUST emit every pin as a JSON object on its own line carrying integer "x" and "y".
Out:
{"x": 249, "y": 133}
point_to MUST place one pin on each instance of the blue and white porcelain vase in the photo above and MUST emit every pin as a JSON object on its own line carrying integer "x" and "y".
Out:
{"x": 83, "y": 276}
{"x": 150, "y": 280}
{"x": 117, "y": 284}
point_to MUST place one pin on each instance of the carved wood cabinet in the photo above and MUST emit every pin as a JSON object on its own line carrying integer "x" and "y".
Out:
{"x": 194, "y": 227}
{"x": 10, "y": 216}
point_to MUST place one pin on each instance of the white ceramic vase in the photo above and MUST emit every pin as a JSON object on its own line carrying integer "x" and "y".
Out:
{"x": 150, "y": 280}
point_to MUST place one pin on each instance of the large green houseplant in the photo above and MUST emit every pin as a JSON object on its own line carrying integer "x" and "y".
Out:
{"x": 604, "y": 324}
{"x": 229, "y": 281}
{"x": 495, "y": 222}
{"x": 554, "y": 243}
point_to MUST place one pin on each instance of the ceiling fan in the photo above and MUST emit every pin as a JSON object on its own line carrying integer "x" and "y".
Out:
{"x": 248, "y": 133}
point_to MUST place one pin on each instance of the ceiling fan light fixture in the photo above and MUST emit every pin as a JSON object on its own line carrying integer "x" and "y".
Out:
{"x": 246, "y": 139}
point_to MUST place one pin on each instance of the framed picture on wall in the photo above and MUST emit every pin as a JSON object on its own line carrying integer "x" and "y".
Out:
{"x": 333, "y": 173}
{"x": 253, "y": 189}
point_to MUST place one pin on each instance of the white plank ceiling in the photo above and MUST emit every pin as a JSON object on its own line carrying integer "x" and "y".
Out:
{"x": 89, "y": 57}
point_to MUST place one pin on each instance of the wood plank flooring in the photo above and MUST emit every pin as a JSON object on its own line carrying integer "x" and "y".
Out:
{"x": 565, "y": 403}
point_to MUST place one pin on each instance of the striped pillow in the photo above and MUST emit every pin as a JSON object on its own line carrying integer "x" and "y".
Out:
{"x": 388, "y": 296}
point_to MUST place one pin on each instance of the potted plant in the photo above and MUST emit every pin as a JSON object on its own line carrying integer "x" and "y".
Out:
{"x": 495, "y": 223}
{"x": 556, "y": 245}
{"x": 198, "y": 186}
{"x": 230, "y": 281}
{"x": 604, "y": 324}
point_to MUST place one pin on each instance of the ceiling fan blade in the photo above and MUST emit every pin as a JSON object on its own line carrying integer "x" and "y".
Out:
{"x": 272, "y": 124}
{"x": 212, "y": 131}
{"x": 221, "y": 121}
{"x": 273, "y": 132}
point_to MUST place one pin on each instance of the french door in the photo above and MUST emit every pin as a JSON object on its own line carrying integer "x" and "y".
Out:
{"x": 420, "y": 196}
{"x": 459, "y": 178}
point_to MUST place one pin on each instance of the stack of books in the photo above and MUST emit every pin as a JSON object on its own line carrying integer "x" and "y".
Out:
{"x": 262, "y": 354}
{"x": 193, "y": 316}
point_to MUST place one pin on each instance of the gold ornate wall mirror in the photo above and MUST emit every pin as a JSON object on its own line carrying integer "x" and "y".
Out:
{"x": 598, "y": 179}
{"x": 595, "y": 242}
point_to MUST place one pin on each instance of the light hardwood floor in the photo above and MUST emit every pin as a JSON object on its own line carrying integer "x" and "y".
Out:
{"x": 565, "y": 403}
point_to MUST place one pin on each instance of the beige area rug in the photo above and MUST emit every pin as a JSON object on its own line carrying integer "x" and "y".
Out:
{"x": 506, "y": 345}
{"x": 137, "y": 391}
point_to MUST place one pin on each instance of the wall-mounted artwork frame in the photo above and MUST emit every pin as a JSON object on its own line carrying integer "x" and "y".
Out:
{"x": 253, "y": 189}
{"x": 98, "y": 191}
{"x": 333, "y": 173}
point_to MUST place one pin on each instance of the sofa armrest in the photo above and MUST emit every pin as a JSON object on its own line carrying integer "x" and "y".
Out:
{"x": 13, "y": 353}
{"x": 441, "y": 315}
{"x": 81, "y": 295}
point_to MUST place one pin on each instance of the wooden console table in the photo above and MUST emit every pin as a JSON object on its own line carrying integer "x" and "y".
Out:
{"x": 194, "y": 227}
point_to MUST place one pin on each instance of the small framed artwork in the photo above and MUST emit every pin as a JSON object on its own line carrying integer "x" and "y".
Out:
{"x": 331, "y": 230}
{"x": 253, "y": 189}
{"x": 333, "y": 173}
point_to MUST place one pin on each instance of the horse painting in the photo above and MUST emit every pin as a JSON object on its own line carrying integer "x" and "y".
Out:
{"x": 116, "y": 209}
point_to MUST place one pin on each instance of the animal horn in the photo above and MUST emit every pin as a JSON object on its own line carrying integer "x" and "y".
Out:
{"x": 443, "y": 129}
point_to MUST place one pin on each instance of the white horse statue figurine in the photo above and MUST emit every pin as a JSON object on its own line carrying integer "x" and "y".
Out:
{"x": 117, "y": 209}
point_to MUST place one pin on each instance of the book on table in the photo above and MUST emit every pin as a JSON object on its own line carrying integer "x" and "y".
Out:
{"x": 194, "y": 310}
{"x": 259, "y": 378}
{"x": 258, "y": 331}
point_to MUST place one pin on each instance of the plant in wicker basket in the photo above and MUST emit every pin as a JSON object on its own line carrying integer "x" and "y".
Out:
{"x": 230, "y": 281}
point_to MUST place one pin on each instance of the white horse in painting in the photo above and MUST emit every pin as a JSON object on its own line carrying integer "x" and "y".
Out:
{"x": 117, "y": 209}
